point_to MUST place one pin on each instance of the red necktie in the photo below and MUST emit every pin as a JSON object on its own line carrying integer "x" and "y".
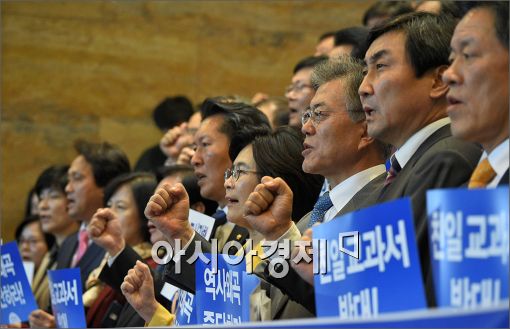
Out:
{"x": 83, "y": 242}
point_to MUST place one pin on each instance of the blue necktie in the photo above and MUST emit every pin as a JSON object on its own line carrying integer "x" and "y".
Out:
{"x": 393, "y": 172}
{"x": 319, "y": 210}
{"x": 220, "y": 216}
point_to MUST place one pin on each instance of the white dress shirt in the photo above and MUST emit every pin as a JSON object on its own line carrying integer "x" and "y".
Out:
{"x": 342, "y": 193}
{"x": 498, "y": 160}
{"x": 406, "y": 151}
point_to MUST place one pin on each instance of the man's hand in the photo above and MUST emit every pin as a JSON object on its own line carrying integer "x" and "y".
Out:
{"x": 138, "y": 288}
{"x": 105, "y": 230}
{"x": 168, "y": 209}
{"x": 268, "y": 208}
{"x": 174, "y": 140}
{"x": 41, "y": 319}
{"x": 304, "y": 269}
{"x": 185, "y": 156}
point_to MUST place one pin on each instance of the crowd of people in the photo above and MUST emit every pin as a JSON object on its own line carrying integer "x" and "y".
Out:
{"x": 414, "y": 100}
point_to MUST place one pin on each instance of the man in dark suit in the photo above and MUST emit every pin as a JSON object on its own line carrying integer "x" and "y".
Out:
{"x": 404, "y": 98}
{"x": 222, "y": 121}
{"x": 94, "y": 167}
{"x": 478, "y": 95}
{"x": 337, "y": 147}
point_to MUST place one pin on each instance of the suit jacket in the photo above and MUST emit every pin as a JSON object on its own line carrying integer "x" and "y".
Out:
{"x": 114, "y": 276}
{"x": 291, "y": 296}
{"x": 89, "y": 261}
{"x": 441, "y": 161}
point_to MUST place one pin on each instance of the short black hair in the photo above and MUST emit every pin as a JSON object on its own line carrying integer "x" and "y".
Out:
{"x": 388, "y": 9}
{"x": 54, "y": 177}
{"x": 241, "y": 122}
{"x": 172, "y": 111}
{"x": 427, "y": 38}
{"x": 279, "y": 155}
{"x": 48, "y": 238}
{"x": 107, "y": 160}
{"x": 142, "y": 186}
{"x": 355, "y": 36}
{"x": 499, "y": 10}
{"x": 190, "y": 183}
{"x": 309, "y": 63}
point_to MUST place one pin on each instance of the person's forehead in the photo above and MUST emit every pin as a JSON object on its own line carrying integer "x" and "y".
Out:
{"x": 302, "y": 75}
{"x": 388, "y": 44}
{"x": 210, "y": 127}
{"x": 80, "y": 164}
{"x": 476, "y": 25}
{"x": 331, "y": 92}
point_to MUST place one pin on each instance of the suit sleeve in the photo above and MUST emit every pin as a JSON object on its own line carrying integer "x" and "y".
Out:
{"x": 449, "y": 168}
{"x": 185, "y": 279}
{"x": 114, "y": 275}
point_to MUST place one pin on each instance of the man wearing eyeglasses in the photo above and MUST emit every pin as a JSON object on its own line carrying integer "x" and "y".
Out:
{"x": 300, "y": 92}
{"x": 337, "y": 147}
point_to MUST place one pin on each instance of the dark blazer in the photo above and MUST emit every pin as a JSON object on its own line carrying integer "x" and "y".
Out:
{"x": 291, "y": 296}
{"x": 441, "y": 161}
{"x": 114, "y": 276}
{"x": 90, "y": 260}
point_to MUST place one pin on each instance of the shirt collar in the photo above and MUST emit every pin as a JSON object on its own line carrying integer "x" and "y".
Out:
{"x": 343, "y": 192}
{"x": 404, "y": 153}
{"x": 498, "y": 158}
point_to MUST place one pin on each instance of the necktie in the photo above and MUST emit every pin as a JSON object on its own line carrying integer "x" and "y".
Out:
{"x": 319, "y": 209}
{"x": 482, "y": 175}
{"x": 218, "y": 233}
{"x": 83, "y": 242}
{"x": 394, "y": 170}
{"x": 220, "y": 216}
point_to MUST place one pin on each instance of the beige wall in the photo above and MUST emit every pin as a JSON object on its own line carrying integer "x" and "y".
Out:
{"x": 95, "y": 69}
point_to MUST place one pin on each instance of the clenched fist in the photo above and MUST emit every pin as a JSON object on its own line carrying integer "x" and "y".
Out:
{"x": 268, "y": 209}
{"x": 138, "y": 288}
{"x": 168, "y": 209}
{"x": 105, "y": 230}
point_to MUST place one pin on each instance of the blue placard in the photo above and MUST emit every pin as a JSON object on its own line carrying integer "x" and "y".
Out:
{"x": 186, "y": 309}
{"x": 385, "y": 278}
{"x": 469, "y": 249}
{"x": 16, "y": 298}
{"x": 222, "y": 296}
{"x": 66, "y": 298}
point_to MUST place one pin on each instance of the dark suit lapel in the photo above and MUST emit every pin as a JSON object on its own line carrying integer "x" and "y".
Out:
{"x": 504, "y": 179}
{"x": 396, "y": 188}
{"x": 66, "y": 251}
{"x": 91, "y": 259}
{"x": 365, "y": 197}
{"x": 239, "y": 234}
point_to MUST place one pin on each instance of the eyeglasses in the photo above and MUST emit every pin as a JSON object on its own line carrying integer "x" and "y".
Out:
{"x": 316, "y": 116}
{"x": 235, "y": 172}
{"x": 30, "y": 241}
{"x": 298, "y": 87}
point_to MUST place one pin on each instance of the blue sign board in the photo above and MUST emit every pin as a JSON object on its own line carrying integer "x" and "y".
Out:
{"x": 66, "y": 298}
{"x": 368, "y": 263}
{"x": 16, "y": 298}
{"x": 186, "y": 310}
{"x": 469, "y": 249}
{"x": 222, "y": 291}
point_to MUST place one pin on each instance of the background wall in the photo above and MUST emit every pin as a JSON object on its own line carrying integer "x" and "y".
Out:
{"x": 96, "y": 69}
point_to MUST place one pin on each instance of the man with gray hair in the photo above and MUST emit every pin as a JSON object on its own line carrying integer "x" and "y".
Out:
{"x": 337, "y": 147}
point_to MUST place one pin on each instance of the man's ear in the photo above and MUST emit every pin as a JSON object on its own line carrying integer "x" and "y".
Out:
{"x": 439, "y": 88}
{"x": 365, "y": 140}
{"x": 198, "y": 206}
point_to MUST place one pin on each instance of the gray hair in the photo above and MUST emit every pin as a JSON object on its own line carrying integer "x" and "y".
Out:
{"x": 351, "y": 71}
